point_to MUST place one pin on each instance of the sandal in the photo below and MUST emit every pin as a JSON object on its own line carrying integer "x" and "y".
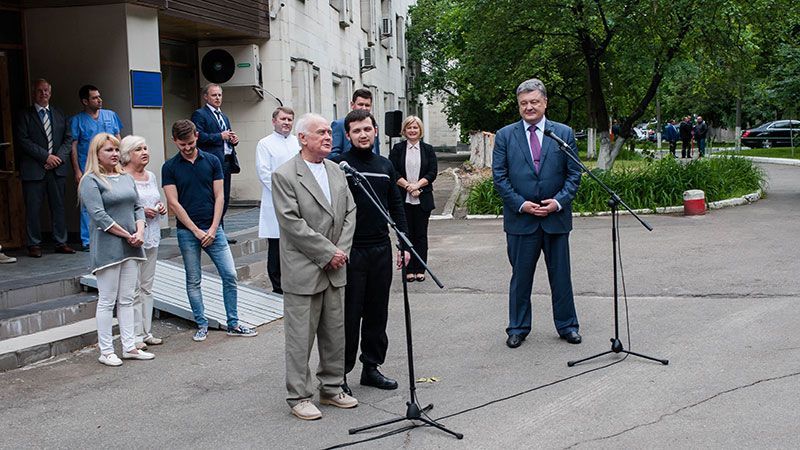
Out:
{"x": 420, "y": 277}
{"x": 410, "y": 278}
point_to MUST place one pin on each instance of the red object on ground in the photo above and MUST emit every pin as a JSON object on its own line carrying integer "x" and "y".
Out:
{"x": 694, "y": 202}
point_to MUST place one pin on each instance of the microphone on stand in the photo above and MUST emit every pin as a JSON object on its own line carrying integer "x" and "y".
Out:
{"x": 346, "y": 168}
{"x": 549, "y": 133}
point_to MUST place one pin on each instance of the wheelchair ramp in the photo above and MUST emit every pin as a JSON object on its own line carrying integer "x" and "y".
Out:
{"x": 255, "y": 306}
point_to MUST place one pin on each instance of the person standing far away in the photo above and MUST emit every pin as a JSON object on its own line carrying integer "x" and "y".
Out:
{"x": 317, "y": 216}
{"x": 43, "y": 138}
{"x": 192, "y": 182}
{"x": 272, "y": 152}
{"x": 685, "y": 131}
{"x": 217, "y": 138}
{"x": 369, "y": 274}
{"x": 84, "y": 127}
{"x": 362, "y": 100}
{"x": 671, "y": 135}
{"x": 537, "y": 182}
{"x": 700, "y": 132}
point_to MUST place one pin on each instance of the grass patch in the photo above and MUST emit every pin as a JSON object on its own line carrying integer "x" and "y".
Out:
{"x": 778, "y": 152}
{"x": 646, "y": 185}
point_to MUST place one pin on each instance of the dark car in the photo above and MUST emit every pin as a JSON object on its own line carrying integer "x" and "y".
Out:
{"x": 773, "y": 134}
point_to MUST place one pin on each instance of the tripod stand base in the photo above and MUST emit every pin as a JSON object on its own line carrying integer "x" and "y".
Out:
{"x": 413, "y": 412}
{"x": 616, "y": 347}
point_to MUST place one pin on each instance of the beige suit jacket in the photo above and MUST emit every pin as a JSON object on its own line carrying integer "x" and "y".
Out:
{"x": 311, "y": 228}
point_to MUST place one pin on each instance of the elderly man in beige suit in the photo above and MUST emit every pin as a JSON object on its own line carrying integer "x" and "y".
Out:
{"x": 316, "y": 215}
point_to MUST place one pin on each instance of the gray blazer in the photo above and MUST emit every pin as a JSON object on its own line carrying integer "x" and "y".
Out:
{"x": 108, "y": 203}
{"x": 311, "y": 229}
{"x": 32, "y": 143}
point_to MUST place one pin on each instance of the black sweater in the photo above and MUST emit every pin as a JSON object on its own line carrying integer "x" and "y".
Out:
{"x": 371, "y": 226}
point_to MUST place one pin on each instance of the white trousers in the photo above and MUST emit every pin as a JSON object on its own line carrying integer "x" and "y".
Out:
{"x": 116, "y": 285}
{"x": 143, "y": 298}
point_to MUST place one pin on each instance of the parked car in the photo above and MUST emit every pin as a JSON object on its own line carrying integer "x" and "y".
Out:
{"x": 773, "y": 134}
{"x": 639, "y": 134}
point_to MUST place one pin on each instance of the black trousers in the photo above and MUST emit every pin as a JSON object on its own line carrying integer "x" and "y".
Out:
{"x": 366, "y": 305}
{"x": 686, "y": 148}
{"x": 274, "y": 264}
{"x": 672, "y": 146}
{"x": 34, "y": 193}
{"x": 418, "y": 235}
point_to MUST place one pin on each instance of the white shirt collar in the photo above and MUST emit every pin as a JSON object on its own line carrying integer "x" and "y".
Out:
{"x": 39, "y": 107}
{"x": 539, "y": 125}
{"x": 214, "y": 110}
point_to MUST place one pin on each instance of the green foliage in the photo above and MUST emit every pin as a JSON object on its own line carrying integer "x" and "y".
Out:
{"x": 652, "y": 185}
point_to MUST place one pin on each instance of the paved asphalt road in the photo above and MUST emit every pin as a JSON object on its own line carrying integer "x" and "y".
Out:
{"x": 717, "y": 295}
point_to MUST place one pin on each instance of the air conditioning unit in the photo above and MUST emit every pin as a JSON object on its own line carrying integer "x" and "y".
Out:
{"x": 386, "y": 27}
{"x": 237, "y": 65}
{"x": 368, "y": 62}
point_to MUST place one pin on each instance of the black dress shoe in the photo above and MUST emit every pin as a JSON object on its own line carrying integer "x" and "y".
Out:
{"x": 370, "y": 376}
{"x": 232, "y": 241}
{"x": 515, "y": 340}
{"x": 572, "y": 337}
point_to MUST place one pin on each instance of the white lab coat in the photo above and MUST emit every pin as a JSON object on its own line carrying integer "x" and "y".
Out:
{"x": 271, "y": 153}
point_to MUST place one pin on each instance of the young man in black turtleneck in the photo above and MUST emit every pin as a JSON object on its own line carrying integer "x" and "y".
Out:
{"x": 369, "y": 271}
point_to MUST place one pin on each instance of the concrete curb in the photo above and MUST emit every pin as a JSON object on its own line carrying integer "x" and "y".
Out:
{"x": 744, "y": 200}
{"x": 765, "y": 160}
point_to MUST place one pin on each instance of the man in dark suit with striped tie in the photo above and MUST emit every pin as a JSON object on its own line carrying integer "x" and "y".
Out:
{"x": 537, "y": 183}
{"x": 43, "y": 143}
{"x": 215, "y": 136}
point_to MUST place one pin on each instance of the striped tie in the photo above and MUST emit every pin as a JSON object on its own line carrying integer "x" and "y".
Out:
{"x": 44, "y": 113}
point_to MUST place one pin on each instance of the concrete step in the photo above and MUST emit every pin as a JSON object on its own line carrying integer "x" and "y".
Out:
{"x": 40, "y": 316}
{"x": 23, "y": 350}
{"x": 38, "y": 289}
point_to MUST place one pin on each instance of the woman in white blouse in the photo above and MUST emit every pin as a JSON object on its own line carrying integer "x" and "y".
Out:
{"x": 416, "y": 166}
{"x": 134, "y": 157}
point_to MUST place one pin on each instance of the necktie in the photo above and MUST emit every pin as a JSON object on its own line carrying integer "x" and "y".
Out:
{"x": 536, "y": 147}
{"x": 219, "y": 120}
{"x": 44, "y": 114}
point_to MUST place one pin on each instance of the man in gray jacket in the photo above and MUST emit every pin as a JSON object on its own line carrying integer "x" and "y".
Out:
{"x": 316, "y": 215}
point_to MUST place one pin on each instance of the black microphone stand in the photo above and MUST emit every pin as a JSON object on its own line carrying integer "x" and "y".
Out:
{"x": 614, "y": 201}
{"x": 413, "y": 410}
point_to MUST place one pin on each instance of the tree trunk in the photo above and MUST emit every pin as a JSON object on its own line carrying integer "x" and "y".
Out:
{"x": 608, "y": 153}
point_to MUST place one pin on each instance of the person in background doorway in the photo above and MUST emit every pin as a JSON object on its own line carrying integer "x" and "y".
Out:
{"x": 134, "y": 156}
{"x": 43, "y": 139}
{"x": 84, "y": 127}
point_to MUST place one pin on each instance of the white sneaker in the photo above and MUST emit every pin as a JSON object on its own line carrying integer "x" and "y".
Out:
{"x": 340, "y": 400}
{"x": 138, "y": 354}
{"x": 5, "y": 259}
{"x": 152, "y": 340}
{"x": 110, "y": 359}
{"x": 306, "y": 410}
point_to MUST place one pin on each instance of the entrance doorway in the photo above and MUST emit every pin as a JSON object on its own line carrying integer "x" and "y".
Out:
{"x": 12, "y": 209}
{"x": 179, "y": 76}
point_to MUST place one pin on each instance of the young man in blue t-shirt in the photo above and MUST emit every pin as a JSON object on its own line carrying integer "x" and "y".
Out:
{"x": 85, "y": 125}
{"x": 193, "y": 184}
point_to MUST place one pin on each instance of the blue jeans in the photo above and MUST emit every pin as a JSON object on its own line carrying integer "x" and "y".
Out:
{"x": 220, "y": 255}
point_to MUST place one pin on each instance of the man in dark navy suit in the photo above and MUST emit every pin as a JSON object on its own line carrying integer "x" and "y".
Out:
{"x": 537, "y": 183}
{"x": 43, "y": 140}
{"x": 217, "y": 138}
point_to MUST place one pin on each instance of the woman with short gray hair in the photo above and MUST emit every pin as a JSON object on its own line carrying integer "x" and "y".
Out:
{"x": 134, "y": 156}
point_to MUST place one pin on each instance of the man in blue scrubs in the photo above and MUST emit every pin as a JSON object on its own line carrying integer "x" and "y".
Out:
{"x": 85, "y": 125}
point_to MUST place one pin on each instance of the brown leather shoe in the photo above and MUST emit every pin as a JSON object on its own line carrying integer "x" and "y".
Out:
{"x": 34, "y": 251}
{"x": 65, "y": 249}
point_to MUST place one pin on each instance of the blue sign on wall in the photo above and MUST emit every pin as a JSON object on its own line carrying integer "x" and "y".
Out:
{"x": 146, "y": 89}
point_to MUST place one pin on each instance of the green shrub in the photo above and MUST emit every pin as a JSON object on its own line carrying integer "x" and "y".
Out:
{"x": 653, "y": 185}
